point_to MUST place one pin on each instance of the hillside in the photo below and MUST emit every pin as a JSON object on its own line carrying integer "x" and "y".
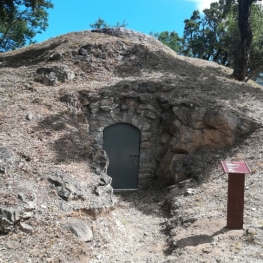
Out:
{"x": 57, "y": 97}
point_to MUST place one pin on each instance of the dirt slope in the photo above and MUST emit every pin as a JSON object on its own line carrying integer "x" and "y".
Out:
{"x": 44, "y": 136}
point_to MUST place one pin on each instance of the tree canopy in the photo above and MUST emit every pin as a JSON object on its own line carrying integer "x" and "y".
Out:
{"x": 171, "y": 39}
{"x": 20, "y": 21}
{"x": 218, "y": 35}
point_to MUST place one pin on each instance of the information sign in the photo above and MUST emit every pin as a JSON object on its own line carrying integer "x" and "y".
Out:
{"x": 235, "y": 167}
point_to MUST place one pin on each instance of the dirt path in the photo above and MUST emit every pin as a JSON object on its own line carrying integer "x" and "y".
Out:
{"x": 135, "y": 231}
{"x": 140, "y": 230}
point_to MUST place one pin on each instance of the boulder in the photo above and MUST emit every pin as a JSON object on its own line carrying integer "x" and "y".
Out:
{"x": 50, "y": 76}
{"x": 12, "y": 216}
{"x": 80, "y": 229}
{"x": 66, "y": 187}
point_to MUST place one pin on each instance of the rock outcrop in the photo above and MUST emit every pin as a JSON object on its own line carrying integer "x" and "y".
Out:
{"x": 171, "y": 133}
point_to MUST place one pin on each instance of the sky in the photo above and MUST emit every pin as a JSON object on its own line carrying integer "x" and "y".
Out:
{"x": 141, "y": 15}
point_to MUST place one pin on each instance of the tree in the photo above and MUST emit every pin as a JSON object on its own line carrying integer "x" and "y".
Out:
{"x": 20, "y": 21}
{"x": 255, "y": 63}
{"x": 242, "y": 53}
{"x": 216, "y": 36}
{"x": 170, "y": 39}
{"x": 100, "y": 23}
{"x": 207, "y": 36}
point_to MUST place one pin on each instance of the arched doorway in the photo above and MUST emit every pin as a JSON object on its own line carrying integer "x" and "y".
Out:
{"x": 122, "y": 145}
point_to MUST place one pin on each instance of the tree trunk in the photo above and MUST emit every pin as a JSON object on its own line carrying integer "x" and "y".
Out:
{"x": 217, "y": 54}
{"x": 242, "y": 53}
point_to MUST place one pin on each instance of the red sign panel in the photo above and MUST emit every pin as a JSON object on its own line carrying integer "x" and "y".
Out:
{"x": 239, "y": 167}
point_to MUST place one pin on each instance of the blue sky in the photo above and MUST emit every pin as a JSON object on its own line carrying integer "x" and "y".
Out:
{"x": 141, "y": 15}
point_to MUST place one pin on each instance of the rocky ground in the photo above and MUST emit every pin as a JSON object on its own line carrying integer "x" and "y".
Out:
{"x": 47, "y": 175}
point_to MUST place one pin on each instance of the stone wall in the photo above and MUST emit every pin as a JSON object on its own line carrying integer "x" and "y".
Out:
{"x": 141, "y": 111}
{"x": 171, "y": 133}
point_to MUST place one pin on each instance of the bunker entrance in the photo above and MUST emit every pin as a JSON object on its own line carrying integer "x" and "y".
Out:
{"x": 122, "y": 145}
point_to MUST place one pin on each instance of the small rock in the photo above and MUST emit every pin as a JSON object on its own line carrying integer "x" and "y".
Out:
{"x": 189, "y": 192}
{"x": 250, "y": 233}
{"x": 25, "y": 228}
{"x": 80, "y": 229}
{"x": 2, "y": 170}
{"x": 183, "y": 183}
{"x": 29, "y": 116}
{"x": 55, "y": 56}
{"x": 207, "y": 249}
{"x": 6, "y": 156}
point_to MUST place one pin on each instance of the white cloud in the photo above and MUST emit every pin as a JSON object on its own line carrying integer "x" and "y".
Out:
{"x": 202, "y": 4}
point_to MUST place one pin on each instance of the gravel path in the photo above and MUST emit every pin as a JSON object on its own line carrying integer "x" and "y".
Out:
{"x": 135, "y": 232}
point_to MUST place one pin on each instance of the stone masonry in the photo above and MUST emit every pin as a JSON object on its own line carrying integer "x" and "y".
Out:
{"x": 171, "y": 133}
{"x": 139, "y": 111}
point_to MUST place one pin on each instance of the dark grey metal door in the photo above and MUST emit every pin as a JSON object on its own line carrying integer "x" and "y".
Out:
{"x": 122, "y": 145}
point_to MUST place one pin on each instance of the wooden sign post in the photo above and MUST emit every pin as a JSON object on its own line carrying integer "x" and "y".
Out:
{"x": 236, "y": 185}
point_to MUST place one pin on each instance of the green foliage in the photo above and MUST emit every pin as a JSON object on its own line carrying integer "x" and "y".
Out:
{"x": 214, "y": 35}
{"x": 20, "y": 21}
{"x": 206, "y": 36}
{"x": 100, "y": 23}
{"x": 170, "y": 39}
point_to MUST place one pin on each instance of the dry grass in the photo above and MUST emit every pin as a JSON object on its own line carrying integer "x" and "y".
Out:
{"x": 53, "y": 139}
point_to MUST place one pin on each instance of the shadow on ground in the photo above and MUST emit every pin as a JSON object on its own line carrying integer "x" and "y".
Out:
{"x": 147, "y": 201}
{"x": 67, "y": 137}
{"x": 29, "y": 57}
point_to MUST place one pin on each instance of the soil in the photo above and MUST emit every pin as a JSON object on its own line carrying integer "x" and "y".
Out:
{"x": 141, "y": 228}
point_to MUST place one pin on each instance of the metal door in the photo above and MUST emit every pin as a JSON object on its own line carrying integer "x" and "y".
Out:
{"x": 122, "y": 145}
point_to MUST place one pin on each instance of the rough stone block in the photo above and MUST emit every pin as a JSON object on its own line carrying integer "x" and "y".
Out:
{"x": 143, "y": 98}
{"x": 131, "y": 111}
{"x": 93, "y": 105}
{"x": 165, "y": 138}
{"x": 93, "y": 97}
{"x": 146, "y": 127}
{"x": 85, "y": 109}
{"x": 145, "y": 175}
{"x": 103, "y": 117}
{"x": 146, "y": 145}
{"x": 156, "y": 123}
{"x": 150, "y": 114}
{"x": 123, "y": 117}
{"x": 105, "y": 108}
{"x": 142, "y": 106}
{"x": 135, "y": 120}
{"x": 106, "y": 102}
{"x": 155, "y": 131}
{"x": 114, "y": 116}
{"x": 130, "y": 102}
{"x": 146, "y": 135}
{"x": 145, "y": 170}
{"x": 95, "y": 110}
{"x": 124, "y": 107}
{"x": 105, "y": 94}
{"x": 151, "y": 108}
{"x": 102, "y": 123}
